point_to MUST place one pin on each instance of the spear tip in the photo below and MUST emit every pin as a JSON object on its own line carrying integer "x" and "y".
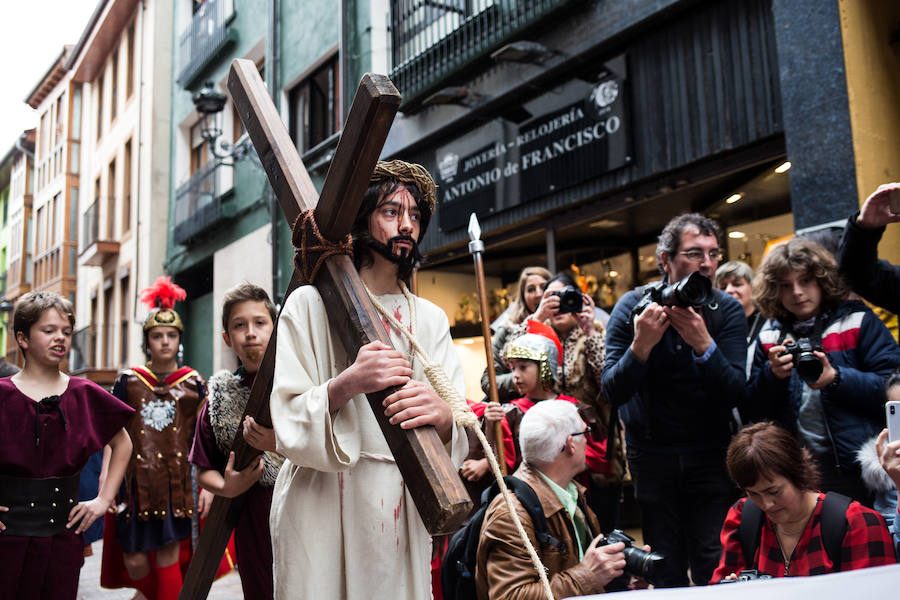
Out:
{"x": 474, "y": 228}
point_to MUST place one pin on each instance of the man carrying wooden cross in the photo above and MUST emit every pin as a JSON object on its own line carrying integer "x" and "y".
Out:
{"x": 343, "y": 524}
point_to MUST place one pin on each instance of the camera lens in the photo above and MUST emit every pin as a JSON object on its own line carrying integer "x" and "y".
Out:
{"x": 640, "y": 563}
{"x": 809, "y": 368}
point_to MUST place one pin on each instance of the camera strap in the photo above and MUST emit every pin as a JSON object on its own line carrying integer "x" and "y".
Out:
{"x": 815, "y": 336}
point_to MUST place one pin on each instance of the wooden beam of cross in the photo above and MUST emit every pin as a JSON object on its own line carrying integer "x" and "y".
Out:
{"x": 427, "y": 471}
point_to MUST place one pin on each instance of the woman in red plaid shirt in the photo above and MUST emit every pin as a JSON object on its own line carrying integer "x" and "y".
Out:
{"x": 781, "y": 478}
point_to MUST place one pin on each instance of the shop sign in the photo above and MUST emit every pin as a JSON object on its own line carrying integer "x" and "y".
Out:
{"x": 570, "y": 134}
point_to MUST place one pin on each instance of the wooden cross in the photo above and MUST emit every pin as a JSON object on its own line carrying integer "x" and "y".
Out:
{"x": 428, "y": 472}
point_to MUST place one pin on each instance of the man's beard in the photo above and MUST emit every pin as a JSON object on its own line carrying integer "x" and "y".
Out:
{"x": 407, "y": 257}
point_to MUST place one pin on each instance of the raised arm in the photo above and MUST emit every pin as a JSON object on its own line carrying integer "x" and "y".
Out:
{"x": 876, "y": 280}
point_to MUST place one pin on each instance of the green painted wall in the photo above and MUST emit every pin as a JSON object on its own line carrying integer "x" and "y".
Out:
{"x": 308, "y": 29}
{"x": 197, "y": 314}
{"x": 249, "y": 25}
{"x": 359, "y": 56}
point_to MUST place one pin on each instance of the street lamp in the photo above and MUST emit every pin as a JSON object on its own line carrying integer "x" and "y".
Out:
{"x": 209, "y": 102}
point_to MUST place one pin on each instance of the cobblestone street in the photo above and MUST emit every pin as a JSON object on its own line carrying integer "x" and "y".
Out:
{"x": 226, "y": 588}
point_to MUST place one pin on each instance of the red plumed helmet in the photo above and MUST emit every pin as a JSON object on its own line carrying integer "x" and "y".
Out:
{"x": 162, "y": 294}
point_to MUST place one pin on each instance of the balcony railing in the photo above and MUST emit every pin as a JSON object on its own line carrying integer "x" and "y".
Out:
{"x": 90, "y": 226}
{"x": 95, "y": 248}
{"x": 84, "y": 348}
{"x": 202, "y": 40}
{"x": 92, "y": 350}
{"x": 433, "y": 39}
{"x": 198, "y": 203}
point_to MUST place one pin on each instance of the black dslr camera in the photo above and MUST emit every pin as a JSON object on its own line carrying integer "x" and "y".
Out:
{"x": 693, "y": 290}
{"x": 638, "y": 562}
{"x": 570, "y": 300}
{"x": 748, "y": 575}
{"x": 809, "y": 368}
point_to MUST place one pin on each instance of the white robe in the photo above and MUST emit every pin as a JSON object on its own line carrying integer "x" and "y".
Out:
{"x": 343, "y": 524}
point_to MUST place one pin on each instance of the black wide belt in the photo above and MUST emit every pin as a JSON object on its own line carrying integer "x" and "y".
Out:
{"x": 37, "y": 507}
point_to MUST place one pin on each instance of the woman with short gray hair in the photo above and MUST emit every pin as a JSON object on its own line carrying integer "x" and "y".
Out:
{"x": 735, "y": 279}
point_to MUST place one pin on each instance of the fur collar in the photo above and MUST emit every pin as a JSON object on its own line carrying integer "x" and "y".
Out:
{"x": 873, "y": 475}
{"x": 228, "y": 398}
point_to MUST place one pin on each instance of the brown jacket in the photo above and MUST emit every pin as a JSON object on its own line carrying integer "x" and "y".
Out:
{"x": 504, "y": 569}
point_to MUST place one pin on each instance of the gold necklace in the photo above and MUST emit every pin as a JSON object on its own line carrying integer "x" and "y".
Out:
{"x": 777, "y": 529}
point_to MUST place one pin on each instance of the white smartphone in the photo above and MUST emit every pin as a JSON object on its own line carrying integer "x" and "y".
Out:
{"x": 892, "y": 411}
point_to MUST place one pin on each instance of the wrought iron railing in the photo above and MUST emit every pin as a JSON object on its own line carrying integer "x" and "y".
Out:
{"x": 203, "y": 38}
{"x": 433, "y": 39}
{"x": 198, "y": 204}
{"x": 90, "y": 226}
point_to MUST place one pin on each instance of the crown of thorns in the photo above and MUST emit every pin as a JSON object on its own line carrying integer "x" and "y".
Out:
{"x": 408, "y": 173}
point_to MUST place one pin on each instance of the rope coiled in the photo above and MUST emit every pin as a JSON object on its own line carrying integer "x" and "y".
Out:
{"x": 307, "y": 239}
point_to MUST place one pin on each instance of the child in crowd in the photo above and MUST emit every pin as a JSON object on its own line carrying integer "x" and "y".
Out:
{"x": 534, "y": 359}
{"x": 248, "y": 317}
{"x": 156, "y": 503}
{"x": 829, "y": 391}
{"x": 50, "y": 424}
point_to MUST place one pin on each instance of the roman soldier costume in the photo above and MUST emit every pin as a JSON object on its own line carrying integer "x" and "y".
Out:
{"x": 162, "y": 433}
{"x": 159, "y": 474}
{"x": 156, "y": 501}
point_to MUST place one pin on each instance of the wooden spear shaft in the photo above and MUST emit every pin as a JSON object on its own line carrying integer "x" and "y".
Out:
{"x": 476, "y": 247}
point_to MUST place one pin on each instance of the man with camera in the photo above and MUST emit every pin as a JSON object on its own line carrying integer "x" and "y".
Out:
{"x": 552, "y": 437}
{"x": 675, "y": 364}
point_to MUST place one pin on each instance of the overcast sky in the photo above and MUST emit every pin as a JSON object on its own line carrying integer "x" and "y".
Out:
{"x": 32, "y": 35}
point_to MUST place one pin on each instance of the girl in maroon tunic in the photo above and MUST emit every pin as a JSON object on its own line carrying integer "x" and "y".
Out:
{"x": 50, "y": 424}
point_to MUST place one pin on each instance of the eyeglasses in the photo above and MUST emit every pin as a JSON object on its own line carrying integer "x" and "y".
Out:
{"x": 586, "y": 433}
{"x": 696, "y": 255}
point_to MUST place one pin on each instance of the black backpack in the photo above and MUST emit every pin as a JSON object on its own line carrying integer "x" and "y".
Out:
{"x": 834, "y": 527}
{"x": 458, "y": 565}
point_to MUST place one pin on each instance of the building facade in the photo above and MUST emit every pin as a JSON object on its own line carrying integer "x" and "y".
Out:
{"x": 5, "y": 306}
{"x": 576, "y": 129}
{"x": 222, "y": 211}
{"x": 56, "y": 165}
{"x": 119, "y": 72}
{"x": 19, "y": 251}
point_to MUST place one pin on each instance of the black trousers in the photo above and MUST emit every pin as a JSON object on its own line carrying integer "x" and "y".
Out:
{"x": 683, "y": 499}
{"x": 606, "y": 502}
